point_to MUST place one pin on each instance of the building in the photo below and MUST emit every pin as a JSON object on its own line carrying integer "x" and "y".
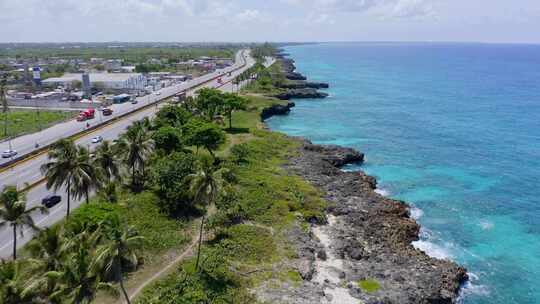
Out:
{"x": 114, "y": 81}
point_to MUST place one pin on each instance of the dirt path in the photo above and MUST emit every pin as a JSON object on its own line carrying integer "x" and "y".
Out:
{"x": 186, "y": 253}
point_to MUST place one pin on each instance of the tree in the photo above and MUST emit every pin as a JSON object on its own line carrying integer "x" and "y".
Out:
{"x": 135, "y": 147}
{"x": 85, "y": 175}
{"x": 209, "y": 102}
{"x": 204, "y": 134}
{"x": 168, "y": 139}
{"x": 13, "y": 212}
{"x": 77, "y": 282}
{"x": 69, "y": 166}
{"x": 205, "y": 185}
{"x": 169, "y": 180}
{"x": 118, "y": 252}
{"x": 172, "y": 115}
{"x": 106, "y": 161}
{"x": 13, "y": 289}
{"x": 233, "y": 102}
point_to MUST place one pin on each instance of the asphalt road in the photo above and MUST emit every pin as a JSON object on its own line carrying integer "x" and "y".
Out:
{"x": 29, "y": 172}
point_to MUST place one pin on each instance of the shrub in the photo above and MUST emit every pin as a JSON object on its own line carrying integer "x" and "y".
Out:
{"x": 369, "y": 285}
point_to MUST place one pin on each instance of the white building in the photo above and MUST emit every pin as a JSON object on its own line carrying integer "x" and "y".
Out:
{"x": 117, "y": 81}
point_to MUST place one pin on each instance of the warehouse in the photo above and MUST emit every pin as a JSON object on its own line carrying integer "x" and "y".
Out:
{"x": 114, "y": 81}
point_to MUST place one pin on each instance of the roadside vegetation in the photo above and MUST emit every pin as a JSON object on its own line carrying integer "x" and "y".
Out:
{"x": 21, "y": 122}
{"x": 204, "y": 175}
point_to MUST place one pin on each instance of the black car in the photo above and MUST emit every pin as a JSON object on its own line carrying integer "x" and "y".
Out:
{"x": 50, "y": 201}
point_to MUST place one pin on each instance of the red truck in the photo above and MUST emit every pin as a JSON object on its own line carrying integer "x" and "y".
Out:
{"x": 86, "y": 115}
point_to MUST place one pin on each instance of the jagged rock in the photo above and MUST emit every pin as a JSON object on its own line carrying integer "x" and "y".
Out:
{"x": 304, "y": 84}
{"x": 301, "y": 93}
{"x": 276, "y": 109}
{"x": 337, "y": 156}
{"x": 305, "y": 269}
{"x": 374, "y": 233}
{"x": 295, "y": 76}
{"x": 321, "y": 254}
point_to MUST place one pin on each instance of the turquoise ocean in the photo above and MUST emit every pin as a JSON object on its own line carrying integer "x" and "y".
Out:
{"x": 452, "y": 129}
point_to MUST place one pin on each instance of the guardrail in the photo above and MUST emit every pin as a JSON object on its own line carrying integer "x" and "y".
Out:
{"x": 42, "y": 150}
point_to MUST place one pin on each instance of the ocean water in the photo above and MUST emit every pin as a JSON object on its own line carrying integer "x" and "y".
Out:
{"x": 453, "y": 129}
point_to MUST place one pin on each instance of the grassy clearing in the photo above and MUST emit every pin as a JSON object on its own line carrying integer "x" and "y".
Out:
{"x": 27, "y": 121}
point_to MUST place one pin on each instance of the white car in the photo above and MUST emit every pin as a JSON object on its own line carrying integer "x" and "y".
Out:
{"x": 9, "y": 153}
{"x": 158, "y": 93}
{"x": 97, "y": 139}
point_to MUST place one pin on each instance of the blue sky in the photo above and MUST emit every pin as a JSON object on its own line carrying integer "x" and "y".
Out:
{"x": 270, "y": 20}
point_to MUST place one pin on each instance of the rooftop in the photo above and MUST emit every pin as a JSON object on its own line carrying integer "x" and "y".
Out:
{"x": 94, "y": 77}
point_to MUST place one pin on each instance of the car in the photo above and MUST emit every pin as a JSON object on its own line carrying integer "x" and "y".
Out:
{"x": 50, "y": 201}
{"x": 9, "y": 153}
{"x": 107, "y": 112}
{"x": 97, "y": 139}
{"x": 158, "y": 93}
{"x": 134, "y": 101}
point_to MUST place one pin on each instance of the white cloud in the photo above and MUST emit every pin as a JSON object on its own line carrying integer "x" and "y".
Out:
{"x": 248, "y": 15}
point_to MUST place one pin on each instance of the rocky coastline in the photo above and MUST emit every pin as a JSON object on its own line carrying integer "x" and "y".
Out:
{"x": 297, "y": 85}
{"x": 366, "y": 240}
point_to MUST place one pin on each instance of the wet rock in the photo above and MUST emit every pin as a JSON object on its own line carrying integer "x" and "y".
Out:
{"x": 276, "y": 109}
{"x": 301, "y": 94}
{"x": 321, "y": 254}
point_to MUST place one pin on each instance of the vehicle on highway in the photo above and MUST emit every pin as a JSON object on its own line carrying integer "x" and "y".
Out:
{"x": 86, "y": 115}
{"x": 157, "y": 93}
{"x": 121, "y": 98}
{"x": 107, "y": 112}
{"x": 9, "y": 153}
{"x": 50, "y": 201}
{"x": 134, "y": 101}
{"x": 219, "y": 80}
{"x": 97, "y": 139}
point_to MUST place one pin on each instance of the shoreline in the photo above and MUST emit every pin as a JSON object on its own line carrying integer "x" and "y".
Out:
{"x": 368, "y": 238}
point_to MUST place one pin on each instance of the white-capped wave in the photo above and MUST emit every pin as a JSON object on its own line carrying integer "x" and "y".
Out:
{"x": 415, "y": 213}
{"x": 471, "y": 287}
{"x": 382, "y": 192}
{"x": 432, "y": 249}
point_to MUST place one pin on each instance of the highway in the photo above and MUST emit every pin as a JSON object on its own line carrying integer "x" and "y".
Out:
{"x": 28, "y": 172}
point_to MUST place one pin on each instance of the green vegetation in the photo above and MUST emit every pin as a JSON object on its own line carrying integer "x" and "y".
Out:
{"x": 20, "y": 122}
{"x": 129, "y": 54}
{"x": 369, "y": 285}
{"x": 156, "y": 191}
{"x": 268, "y": 82}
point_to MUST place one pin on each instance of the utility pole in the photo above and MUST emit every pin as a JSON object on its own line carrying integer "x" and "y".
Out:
{"x": 5, "y": 107}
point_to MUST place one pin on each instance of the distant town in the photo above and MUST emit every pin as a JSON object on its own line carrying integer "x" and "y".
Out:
{"x": 99, "y": 74}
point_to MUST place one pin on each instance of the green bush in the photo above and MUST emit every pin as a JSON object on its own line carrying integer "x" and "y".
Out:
{"x": 369, "y": 285}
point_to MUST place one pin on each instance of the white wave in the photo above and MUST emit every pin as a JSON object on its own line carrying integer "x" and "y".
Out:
{"x": 382, "y": 192}
{"x": 486, "y": 225}
{"x": 432, "y": 249}
{"x": 416, "y": 213}
{"x": 471, "y": 287}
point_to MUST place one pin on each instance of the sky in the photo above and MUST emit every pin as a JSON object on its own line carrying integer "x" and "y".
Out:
{"x": 514, "y": 21}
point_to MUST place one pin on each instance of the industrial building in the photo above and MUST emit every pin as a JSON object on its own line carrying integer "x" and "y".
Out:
{"x": 114, "y": 81}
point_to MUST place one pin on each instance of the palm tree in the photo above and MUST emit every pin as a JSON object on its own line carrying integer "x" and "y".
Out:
{"x": 76, "y": 281}
{"x": 48, "y": 250}
{"x": 107, "y": 161}
{"x": 14, "y": 213}
{"x": 205, "y": 186}
{"x": 118, "y": 252}
{"x": 84, "y": 175}
{"x": 135, "y": 147}
{"x": 13, "y": 289}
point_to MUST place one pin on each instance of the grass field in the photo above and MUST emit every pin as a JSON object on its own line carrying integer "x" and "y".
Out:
{"x": 20, "y": 122}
